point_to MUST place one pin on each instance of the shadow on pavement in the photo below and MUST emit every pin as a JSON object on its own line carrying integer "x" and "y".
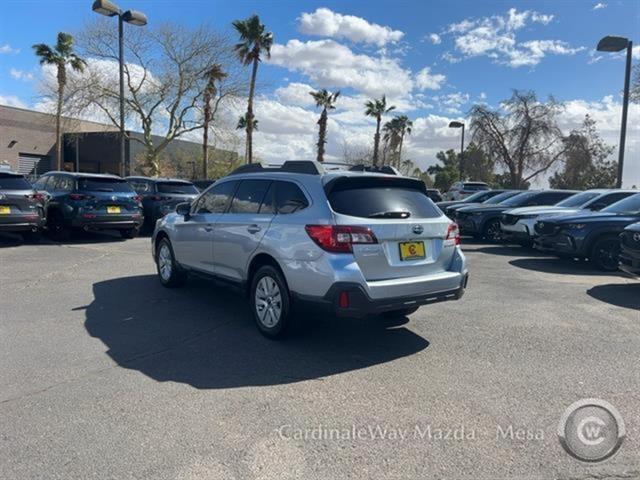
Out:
{"x": 625, "y": 295}
{"x": 508, "y": 250}
{"x": 203, "y": 335}
{"x": 560, "y": 265}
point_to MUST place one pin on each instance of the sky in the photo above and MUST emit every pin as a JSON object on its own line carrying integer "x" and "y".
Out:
{"x": 432, "y": 59}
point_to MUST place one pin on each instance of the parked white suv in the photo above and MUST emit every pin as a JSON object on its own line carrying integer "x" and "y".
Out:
{"x": 354, "y": 243}
{"x": 460, "y": 190}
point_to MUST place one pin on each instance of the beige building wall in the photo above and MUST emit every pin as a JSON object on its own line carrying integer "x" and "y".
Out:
{"x": 26, "y": 132}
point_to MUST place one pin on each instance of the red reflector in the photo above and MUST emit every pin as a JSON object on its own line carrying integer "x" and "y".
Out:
{"x": 89, "y": 215}
{"x": 343, "y": 300}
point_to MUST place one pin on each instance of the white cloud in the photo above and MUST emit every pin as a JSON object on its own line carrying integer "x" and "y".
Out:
{"x": 326, "y": 23}
{"x": 495, "y": 37}
{"x": 21, "y": 74}
{"x": 427, "y": 80}
{"x": 295, "y": 94}
{"x": 599, "y": 6}
{"x": 12, "y": 101}
{"x": 331, "y": 65}
{"x": 451, "y": 103}
{"x": 6, "y": 48}
{"x": 434, "y": 38}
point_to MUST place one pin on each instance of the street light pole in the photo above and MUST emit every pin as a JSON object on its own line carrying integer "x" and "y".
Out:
{"x": 617, "y": 44}
{"x": 625, "y": 108}
{"x": 110, "y": 9}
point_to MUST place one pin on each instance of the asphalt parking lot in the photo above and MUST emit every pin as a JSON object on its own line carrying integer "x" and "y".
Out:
{"x": 105, "y": 374}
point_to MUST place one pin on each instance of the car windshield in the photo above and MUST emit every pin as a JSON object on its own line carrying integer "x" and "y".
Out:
{"x": 500, "y": 198}
{"x": 478, "y": 196}
{"x": 578, "y": 199}
{"x": 519, "y": 199}
{"x": 628, "y": 206}
{"x": 97, "y": 184}
{"x": 475, "y": 186}
{"x": 177, "y": 187}
{"x": 13, "y": 182}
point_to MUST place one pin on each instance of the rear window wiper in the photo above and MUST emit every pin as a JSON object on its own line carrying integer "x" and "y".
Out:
{"x": 393, "y": 214}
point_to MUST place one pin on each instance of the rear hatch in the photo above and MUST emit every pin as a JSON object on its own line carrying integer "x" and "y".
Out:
{"x": 106, "y": 196}
{"x": 409, "y": 228}
{"x": 17, "y": 197}
{"x": 172, "y": 192}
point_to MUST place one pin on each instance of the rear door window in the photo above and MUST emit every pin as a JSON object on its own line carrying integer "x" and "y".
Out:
{"x": 13, "y": 182}
{"x": 289, "y": 198}
{"x": 216, "y": 198}
{"x": 378, "y": 201}
{"x": 249, "y": 196}
{"x": 88, "y": 184}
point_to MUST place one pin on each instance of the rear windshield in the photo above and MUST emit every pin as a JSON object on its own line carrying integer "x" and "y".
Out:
{"x": 475, "y": 186}
{"x": 13, "y": 182}
{"x": 628, "y": 206}
{"x": 104, "y": 185}
{"x": 383, "y": 202}
{"x": 578, "y": 199}
{"x": 177, "y": 187}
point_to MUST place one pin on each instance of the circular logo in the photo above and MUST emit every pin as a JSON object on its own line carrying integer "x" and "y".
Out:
{"x": 636, "y": 237}
{"x": 591, "y": 430}
{"x": 417, "y": 229}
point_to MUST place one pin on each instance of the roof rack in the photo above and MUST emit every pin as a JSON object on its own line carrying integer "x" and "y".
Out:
{"x": 308, "y": 167}
{"x": 388, "y": 169}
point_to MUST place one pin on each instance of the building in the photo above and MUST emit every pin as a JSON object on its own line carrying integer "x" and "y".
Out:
{"x": 27, "y": 144}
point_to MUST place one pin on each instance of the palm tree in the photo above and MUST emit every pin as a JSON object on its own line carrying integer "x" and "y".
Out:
{"x": 376, "y": 108}
{"x": 242, "y": 123}
{"x": 326, "y": 100}
{"x": 253, "y": 42}
{"x": 391, "y": 138}
{"x": 404, "y": 126}
{"x": 212, "y": 75}
{"x": 60, "y": 55}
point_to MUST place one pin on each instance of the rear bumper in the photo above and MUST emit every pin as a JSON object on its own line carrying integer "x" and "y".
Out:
{"x": 107, "y": 224}
{"x": 359, "y": 304}
{"x": 18, "y": 223}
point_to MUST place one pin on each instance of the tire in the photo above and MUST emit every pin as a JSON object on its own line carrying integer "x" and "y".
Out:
{"x": 604, "y": 253}
{"x": 404, "y": 312}
{"x": 32, "y": 237}
{"x": 491, "y": 231}
{"x": 169, "y": 272}
{"x": 270, "y": 302}
{"x": 56, "y": 227}
{"x": 129, "y": 233}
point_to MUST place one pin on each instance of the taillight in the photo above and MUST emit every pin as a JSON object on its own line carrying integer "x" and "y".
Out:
{"x": 39, "y": 197}
{"x": 79, "y": 196}
{"x": 137, "y": 198}
{"x": 340, "y": 238}
{"x": 453, "y": 233}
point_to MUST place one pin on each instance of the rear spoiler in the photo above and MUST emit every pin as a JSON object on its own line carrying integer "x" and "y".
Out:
{"x": 354, "y": 182}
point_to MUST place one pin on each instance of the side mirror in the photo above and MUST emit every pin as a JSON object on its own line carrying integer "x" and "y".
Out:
{"x": 184, "y": 209}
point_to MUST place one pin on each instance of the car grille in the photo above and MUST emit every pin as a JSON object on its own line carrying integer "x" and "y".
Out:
{"x": 508, "y": 219}
{"x": 629, "y": 240}
{"x": 545, "y": 228}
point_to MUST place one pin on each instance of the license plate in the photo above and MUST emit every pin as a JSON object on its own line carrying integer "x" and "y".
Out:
{"x": 113, "y": 209}
{"x": 5, "y": 210}
{"x": 411, "y": 250}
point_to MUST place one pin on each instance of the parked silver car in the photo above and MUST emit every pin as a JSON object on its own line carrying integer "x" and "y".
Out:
{"x": 355, "y": 243}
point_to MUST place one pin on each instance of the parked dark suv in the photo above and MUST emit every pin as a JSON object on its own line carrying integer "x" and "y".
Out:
{"x": 22, "y": 209}
{"x": 161, "y": 195}
{"x": 85, "y": 201}
{"x": 592, "y": 235}
{"x": 630, "y": 250}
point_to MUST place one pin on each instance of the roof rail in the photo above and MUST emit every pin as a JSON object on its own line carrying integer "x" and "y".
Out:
{"x": 308, "y": 167}
{"x": 388, "y": 169}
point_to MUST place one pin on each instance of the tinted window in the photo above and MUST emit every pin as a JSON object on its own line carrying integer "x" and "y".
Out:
{"x": 41, "y": 184}
{"x": 475, "y": 186}
{"x": 383, "y": 202}
{"x": 176, "y": 187}
{"x": 480, "y": 196}
{"x": 612, "y": 198}
{"x": 548, "y": 198}
{"x": 140, "y": 186}
{"x": 13, "y": 182}
{"x": 519, "y": 200}
{"x": 289, "y": 198}
{"x": 501, "y": 198}
{"x": 96, "y": 184}
{"x": 216, "y": 199}
{"x": 630, "y": 205}
{"x": 61, "y": 184}
{"x": 578, "y": 199}
{"x": 249, "y": 196}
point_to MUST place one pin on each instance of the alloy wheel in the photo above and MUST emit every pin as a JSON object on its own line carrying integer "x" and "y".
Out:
{"x": 165, "y": 262}
{"x": 268, "y": 302}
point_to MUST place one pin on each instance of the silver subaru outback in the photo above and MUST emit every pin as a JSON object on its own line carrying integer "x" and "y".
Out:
{"x": 353, "y": 242}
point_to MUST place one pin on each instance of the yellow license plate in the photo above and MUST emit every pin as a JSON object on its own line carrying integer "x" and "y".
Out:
{"x": 411, "y": 250}
{"x": 113, "y": 209}
{"x": 5, "y": 210}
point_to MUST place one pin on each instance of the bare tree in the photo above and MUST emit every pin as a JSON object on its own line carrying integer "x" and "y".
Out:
{"x": 165, "y": 80}
{"x": 522, "y": 136}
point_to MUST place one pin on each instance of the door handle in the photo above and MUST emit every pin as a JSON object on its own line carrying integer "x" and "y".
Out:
{"x": 253, "y": 229}
{"x": 208, "y": 228}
